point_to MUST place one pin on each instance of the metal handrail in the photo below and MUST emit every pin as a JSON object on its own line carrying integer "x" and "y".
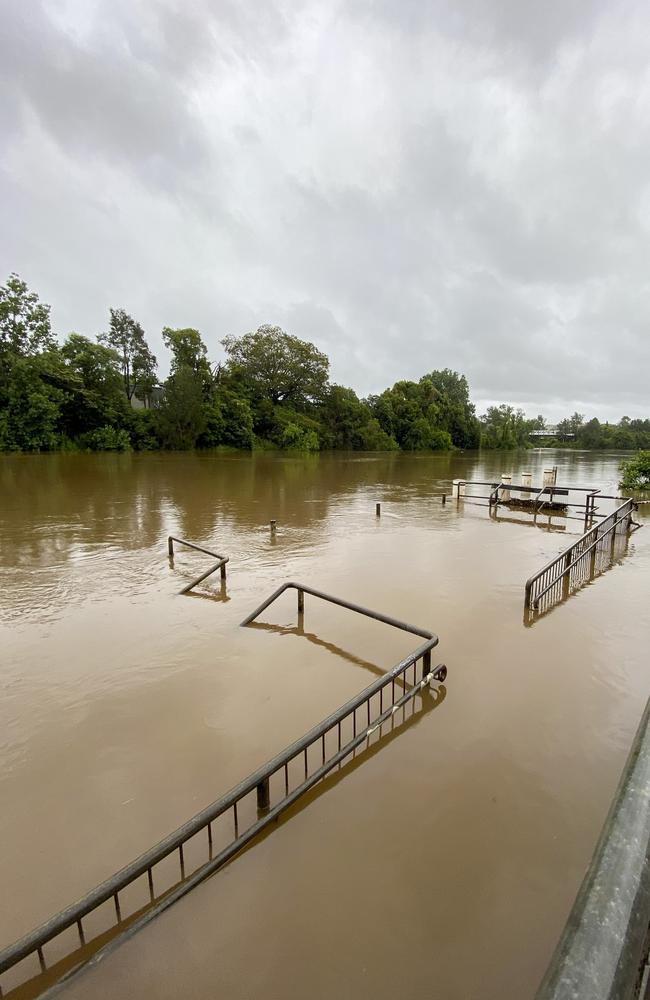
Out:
{"x": 221, "y": 564}
{"x": 559, "y": 568}
{"x": 603, "y": 950}
{"x": 349, "y": 605}
{"x": 258, "y": 783}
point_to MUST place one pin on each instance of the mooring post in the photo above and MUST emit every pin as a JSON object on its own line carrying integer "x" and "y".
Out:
{"x": 263, "y": 796}
{"x": 444, "y": 499}
{"x": 504, "y": 494}
{"x": 273, "y": 524}
{"x": 378, "y": 509}
{"x": 170, "y": 547}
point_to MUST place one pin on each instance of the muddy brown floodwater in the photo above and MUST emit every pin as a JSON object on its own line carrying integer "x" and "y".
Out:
{"x": 442, "y": 865}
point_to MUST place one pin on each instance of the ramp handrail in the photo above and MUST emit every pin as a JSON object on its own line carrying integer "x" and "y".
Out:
{"x": 258, "y": 784}
{"x": 557, "y": 577}
{"x": 221, "y": 564}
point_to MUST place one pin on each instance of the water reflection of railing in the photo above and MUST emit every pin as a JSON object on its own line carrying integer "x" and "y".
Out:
{"x": 588, "y": 556}
{"x": 224, "y": 828}
{"x": 220, "y": 564}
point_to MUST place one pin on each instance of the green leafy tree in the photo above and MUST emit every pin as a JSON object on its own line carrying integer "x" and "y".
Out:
{"x": 636, "y": 472}
{"x": 24, "y": 320}
{"x": 411, "y": 413}
{"x": 348, "y": 423}
{"x": 137, "y": 362}
{"x": 181, "y": 416}
{"x": 30, "y": 409}
{"x": 95, "y": 396}
{"x": 189, "y": 351}
{"x": 504, "y": 427}
{"x": 278, "y": 366}
{"x": 456, "y": 413}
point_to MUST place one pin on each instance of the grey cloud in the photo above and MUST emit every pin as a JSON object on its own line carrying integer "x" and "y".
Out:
{"x": 409, "y": 185}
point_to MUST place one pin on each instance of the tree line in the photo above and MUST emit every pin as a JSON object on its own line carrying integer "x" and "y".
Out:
{"x": 272, "y": 391}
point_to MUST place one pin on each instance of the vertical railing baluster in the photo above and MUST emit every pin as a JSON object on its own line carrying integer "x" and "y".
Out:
{"x": 236, "y": 820}
{"x": 210, "y": 839}
{"x": 82, "y": 936}
{"x": 150, "y": 880}
{"x": 118, "y": 912}
{"x": 181, "y": 857}
{"x": 41, "y": 959}
{"x": 306, "y": 768}
{"x": 286, "y": 777}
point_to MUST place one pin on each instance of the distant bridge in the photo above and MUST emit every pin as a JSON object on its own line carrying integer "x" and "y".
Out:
{"x": 550, "y": 431}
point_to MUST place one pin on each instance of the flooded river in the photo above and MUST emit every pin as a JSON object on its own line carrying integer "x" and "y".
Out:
{"x": 442, "y": 865}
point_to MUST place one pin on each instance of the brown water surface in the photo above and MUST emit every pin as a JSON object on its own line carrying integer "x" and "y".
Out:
{"x": 442, "y": 865}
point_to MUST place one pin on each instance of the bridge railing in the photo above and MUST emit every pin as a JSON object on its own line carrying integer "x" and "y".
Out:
{"x": 224, "y": 828}
{"x": 603, "y": 951}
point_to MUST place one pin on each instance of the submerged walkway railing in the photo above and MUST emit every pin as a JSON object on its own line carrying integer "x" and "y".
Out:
{"x": 204, "y": 844}
{"x": 220, "y": 564}
{"x": 591, "y": 554}
{"x": 603, "y": 951}
{"x": 579, "y": 563}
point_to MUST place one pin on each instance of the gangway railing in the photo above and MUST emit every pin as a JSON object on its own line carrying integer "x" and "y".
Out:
{"x": 220, "y": 564}
{"x": 220, "y": 831}
{"x": 589, "y": 555}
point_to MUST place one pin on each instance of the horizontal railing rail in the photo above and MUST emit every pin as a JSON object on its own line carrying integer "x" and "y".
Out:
{"x": 590, "y": 554}
{"x": 603, "y": 951}
{"x": 220, "y": 564}
{"x": 253, "y": 803}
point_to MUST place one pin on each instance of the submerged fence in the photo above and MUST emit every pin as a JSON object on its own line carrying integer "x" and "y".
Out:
{"x": 203, "y": 845}
{"x": 580, "y": 562}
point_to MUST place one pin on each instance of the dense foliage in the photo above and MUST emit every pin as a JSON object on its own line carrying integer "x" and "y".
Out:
{"x": 636, "y": 472}
{"x": 273, "y": 391}
{"x": 627, "y": 434}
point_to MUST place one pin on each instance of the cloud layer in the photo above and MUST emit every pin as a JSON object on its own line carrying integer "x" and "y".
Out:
{"x": 411, "y": 186}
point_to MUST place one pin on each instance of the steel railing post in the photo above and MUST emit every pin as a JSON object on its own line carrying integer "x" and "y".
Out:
{"x": 263, "y": 795}
{"x": 566, "y": 576}
{"x": 613, "y": 542}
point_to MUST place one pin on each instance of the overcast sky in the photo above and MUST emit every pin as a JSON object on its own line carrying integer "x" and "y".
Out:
{"x": 410, "y": 185}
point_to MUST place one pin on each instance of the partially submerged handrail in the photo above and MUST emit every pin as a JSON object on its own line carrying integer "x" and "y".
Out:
{"x": 257, "y": 783}
{"x": 220, "y": 564}
{"x": 358, "y": 608}
{"x": 558, "y": 570}
{"x": 603, "y": 951}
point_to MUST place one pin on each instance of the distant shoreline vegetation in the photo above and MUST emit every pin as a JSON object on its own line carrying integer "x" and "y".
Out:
{"x": 272, "y": 392}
